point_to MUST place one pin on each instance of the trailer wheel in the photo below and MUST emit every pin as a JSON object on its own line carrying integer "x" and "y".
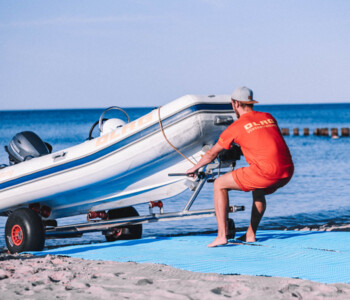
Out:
{"x": 24, "y": 231}
{"x": 129, "y": 232}
{"x": 231, "y": 229}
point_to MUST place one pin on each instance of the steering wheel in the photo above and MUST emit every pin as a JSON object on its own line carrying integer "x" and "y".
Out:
{"x": 101, "y": 120}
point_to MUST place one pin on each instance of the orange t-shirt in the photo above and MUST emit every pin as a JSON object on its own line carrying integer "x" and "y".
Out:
{"x": 262, "y": 144}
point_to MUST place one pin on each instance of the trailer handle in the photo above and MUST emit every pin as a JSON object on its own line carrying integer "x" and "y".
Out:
{"x": 200, "y": 175}
{"x": 195, "y": 193}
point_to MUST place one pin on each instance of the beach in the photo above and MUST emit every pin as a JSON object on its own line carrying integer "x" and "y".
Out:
{"x": 24, "y": 276}
{"x": 47, "y": 276}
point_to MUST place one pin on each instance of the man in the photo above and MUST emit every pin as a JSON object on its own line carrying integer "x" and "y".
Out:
{"x": 268, "y": 156}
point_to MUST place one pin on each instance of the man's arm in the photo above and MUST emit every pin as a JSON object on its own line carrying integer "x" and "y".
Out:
{"x": 207, "y": 158}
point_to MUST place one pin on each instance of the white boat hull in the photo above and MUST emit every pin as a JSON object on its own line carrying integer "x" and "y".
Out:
{"x": 126, "y": 167}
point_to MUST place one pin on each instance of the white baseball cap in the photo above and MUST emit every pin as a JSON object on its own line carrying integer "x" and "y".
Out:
{"x": 244, "y": 95}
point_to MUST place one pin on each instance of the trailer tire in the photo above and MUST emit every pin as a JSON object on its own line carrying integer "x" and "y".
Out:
{"x": 231, "y": 229}
{"x": 129, "y": 232}
{"x": 24, "y": 231}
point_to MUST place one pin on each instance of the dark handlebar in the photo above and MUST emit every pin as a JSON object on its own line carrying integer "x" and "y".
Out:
{"x": 200, "y": 175}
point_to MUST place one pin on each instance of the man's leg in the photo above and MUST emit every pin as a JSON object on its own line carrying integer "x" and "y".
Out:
{"x": 258, "y": 209}
{"x": 221, "y": 187}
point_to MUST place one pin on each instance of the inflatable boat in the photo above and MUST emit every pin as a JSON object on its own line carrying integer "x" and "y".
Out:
{"x": 103, "y": 177}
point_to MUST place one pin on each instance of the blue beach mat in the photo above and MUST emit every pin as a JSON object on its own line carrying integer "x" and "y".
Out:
{"x": 316, "y": 256}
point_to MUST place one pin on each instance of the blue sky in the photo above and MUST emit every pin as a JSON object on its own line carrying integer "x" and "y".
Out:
{"x": 82, "y": 54}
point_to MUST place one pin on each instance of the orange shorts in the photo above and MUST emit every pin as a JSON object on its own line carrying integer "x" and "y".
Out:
{"x": 248, "y": 179}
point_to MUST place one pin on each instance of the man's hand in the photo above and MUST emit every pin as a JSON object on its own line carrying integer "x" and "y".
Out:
{"x": 192, "y": 172}
{"x": 208, "y": 157}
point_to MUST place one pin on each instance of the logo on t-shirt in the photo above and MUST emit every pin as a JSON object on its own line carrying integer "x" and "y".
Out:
{"x": 259, "y": 125}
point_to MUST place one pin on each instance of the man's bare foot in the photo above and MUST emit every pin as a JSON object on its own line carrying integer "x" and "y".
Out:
{"x": 249, "y": 239}
{"x": 217, "y": 242}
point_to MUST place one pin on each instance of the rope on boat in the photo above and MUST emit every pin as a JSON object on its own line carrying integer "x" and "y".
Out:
{"x": 161, "y": 128}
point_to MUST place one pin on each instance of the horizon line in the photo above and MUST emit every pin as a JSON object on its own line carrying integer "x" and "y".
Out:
{"x": 152, "y": 106}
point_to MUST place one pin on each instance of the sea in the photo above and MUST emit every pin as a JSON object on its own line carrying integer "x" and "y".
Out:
{"x": 317, "y": 195}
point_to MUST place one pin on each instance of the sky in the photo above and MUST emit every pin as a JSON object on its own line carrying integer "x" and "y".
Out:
{"x": 94, "y": 54}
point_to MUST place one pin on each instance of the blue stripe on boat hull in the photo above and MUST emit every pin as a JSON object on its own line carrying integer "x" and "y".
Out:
{"x": 117, "y": 145}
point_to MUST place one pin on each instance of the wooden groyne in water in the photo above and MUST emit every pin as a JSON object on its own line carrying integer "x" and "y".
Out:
{"x": 333, "y": 132}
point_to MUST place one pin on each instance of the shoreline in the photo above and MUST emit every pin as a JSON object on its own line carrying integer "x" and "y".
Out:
{"x": 50, "y": 276}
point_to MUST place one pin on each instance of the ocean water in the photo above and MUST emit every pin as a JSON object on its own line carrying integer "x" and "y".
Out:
{"x": 318, "y": 194}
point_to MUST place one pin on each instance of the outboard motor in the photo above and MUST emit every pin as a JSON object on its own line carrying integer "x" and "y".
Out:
{"x": 25, "y": 146}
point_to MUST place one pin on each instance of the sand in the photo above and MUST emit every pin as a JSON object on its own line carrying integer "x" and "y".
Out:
{"x": 25, "y": 276}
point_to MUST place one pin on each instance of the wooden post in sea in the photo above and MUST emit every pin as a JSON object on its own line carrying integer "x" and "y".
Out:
{"x": 344, "y": 131}
{"x": 317, "y": 131}
{"x": 296, "y": 131}
{"x": 324, "y": 132}
{"x": 306, "y": 132}
{"x": 285, "y": 131}
{"x": 334, "y": 133}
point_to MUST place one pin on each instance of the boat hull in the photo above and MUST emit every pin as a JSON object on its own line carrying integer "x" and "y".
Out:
{"x": 126, "y": 167}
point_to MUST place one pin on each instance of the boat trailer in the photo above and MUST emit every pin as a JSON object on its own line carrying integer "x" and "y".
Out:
{"x": 106, "y": 225}
{"x": 25, "y": 230}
